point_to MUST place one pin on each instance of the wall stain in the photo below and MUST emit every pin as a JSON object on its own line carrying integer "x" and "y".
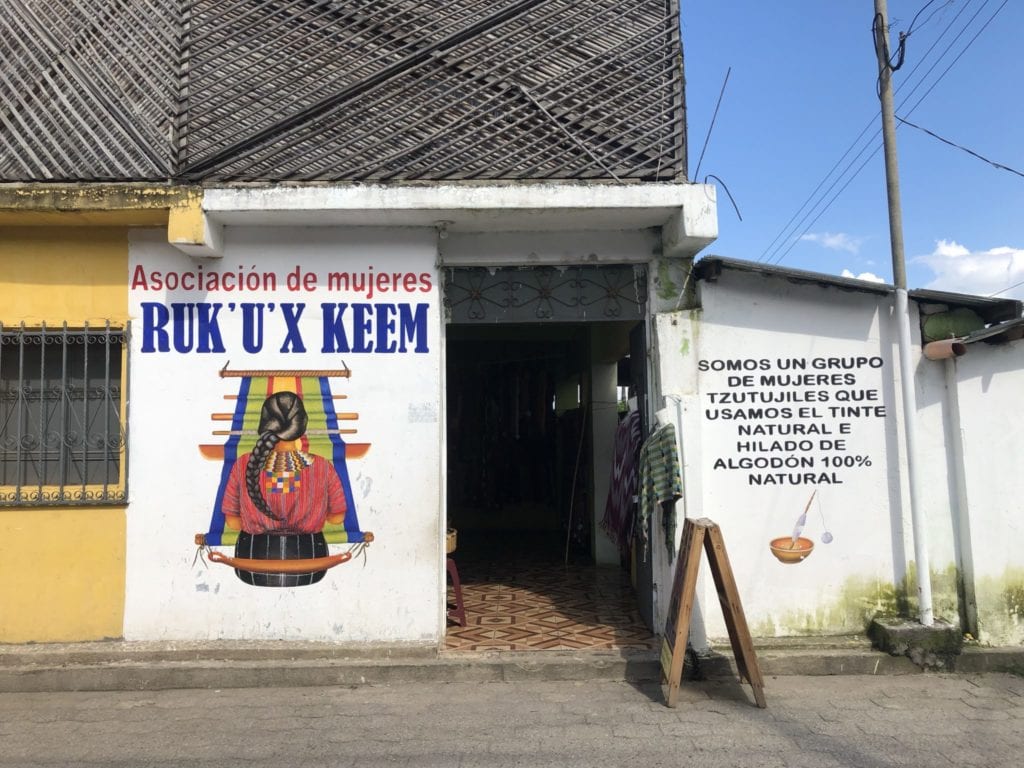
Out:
{"x": 860, "y": 600}
{"x": 667, "y": 289}
{"x": 1001, "y": 607}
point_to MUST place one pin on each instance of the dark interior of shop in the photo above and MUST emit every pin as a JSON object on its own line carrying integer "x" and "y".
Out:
{"x": 519, "y": 488}
{"x": 514, "y": 435}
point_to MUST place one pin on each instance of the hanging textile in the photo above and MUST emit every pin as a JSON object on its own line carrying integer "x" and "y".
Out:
{"x": 322, "y": 438}
{"x": 618, "y": 511}
{"x": 660, "y": 484}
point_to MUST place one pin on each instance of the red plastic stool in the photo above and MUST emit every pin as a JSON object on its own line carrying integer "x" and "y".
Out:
{"x": 458, "y": 613}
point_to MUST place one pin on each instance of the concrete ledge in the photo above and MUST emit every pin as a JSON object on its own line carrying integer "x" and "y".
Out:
{"x": 809, "y": 662}
{"x": 490, "y": 207}
{"x": 976, "y": 660}
{"x": 155, "y": 671}
{"x": 144, "y": 651}
{"x": 139, "y": 666}
{"x": 935, "y": 647}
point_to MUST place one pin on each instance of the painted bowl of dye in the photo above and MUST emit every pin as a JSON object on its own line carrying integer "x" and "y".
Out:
{"x": 787, "y": 551}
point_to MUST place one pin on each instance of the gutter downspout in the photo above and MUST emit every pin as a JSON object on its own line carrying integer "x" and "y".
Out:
{"x": 949, "y": 350}
{"x": 965, "y": 553}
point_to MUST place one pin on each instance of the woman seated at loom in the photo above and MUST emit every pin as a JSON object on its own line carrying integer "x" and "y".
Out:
{"x": 286, "y": 490}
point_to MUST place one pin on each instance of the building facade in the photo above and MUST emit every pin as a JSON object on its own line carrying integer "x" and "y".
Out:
{"x": 406, "y": 264}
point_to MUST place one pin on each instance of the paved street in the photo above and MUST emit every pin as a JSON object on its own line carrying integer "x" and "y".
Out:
{"x": 912, "y": 720}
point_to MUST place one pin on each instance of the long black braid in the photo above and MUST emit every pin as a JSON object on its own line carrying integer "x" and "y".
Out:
{"x": 283, "y": 418}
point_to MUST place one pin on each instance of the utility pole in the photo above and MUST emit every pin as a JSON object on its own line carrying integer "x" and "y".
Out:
{"x": 902, "y": 314}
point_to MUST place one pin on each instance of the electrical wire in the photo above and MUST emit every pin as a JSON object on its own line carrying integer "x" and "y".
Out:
{"x": 772, "y": 249}
{"x": 696, "y": 174}
{"x": 731, "y": 200}
{"x": 828, "y": 205}
{"x": 962, "y": 52}
{"x": 1007, "y": 288}
{"x": 901, "y": 51}
{"x": 914, "y": 107}
{"x": 965, "y": 149}
{"x": 924, "y": 23}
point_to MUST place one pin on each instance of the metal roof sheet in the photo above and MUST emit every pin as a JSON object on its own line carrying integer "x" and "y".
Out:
{"x": 991, "y": 310}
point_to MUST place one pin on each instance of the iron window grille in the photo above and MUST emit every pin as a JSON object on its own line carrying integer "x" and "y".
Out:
{"x": 545, "y": 294}
{"x": 63, "y": 439}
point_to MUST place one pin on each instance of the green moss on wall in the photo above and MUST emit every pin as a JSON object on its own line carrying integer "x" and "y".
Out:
{"x": 861, "y": 599}
{"x": 1001, "y": 607}
{"x": 667, "y": 288}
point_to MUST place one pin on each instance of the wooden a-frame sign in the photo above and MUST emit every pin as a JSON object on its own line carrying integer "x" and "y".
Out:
{"x": 684, "y": 587}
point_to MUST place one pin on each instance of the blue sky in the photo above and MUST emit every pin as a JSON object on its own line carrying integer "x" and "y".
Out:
{"x": 801, "y": 91}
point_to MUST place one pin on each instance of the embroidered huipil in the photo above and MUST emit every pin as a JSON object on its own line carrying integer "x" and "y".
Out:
{"x": 303, "y": 499}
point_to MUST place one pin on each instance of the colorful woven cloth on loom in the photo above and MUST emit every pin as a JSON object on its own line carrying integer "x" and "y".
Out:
{"x": 321, "y": 439}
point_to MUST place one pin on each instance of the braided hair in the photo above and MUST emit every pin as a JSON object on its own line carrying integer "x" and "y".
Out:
{"x": 283, "y": 418}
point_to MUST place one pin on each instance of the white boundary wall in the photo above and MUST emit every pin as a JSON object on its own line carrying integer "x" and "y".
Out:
{"x": 720, "y": 361}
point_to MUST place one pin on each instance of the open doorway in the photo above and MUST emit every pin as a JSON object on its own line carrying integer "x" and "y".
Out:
{"x": 532, "y": 410}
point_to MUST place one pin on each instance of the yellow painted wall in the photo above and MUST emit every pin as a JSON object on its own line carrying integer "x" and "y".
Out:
{"x": 62, "y": 570}
{"x": 54, "y": 274}
{"x": 62, "y": 574}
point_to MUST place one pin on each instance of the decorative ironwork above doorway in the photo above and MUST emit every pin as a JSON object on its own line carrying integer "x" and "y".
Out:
{"x": 545, "y": 294}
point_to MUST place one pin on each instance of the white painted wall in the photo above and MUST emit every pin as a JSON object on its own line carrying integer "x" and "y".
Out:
{"x": 990, "y": 381}
{"x": 762, "y": 325}
{"x": 760, "y": 322}
{"x": 395, "y": 597}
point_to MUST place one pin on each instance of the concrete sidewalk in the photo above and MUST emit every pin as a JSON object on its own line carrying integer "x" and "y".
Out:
{"x": 927, "y": 719}
{"x": 104, "y": 666}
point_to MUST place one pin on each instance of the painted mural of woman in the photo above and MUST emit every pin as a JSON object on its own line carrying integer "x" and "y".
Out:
{"x": 279, "y": 497}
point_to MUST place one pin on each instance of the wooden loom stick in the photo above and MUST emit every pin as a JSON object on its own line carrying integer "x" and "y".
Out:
{"x": 231, "y": 417}
{"x": 215, "y": 452}
{"x": 333, "y": 397}
{"x": 342, "y": 373}
{"x": 307, "y": 565}
{"x": 229, "y": 432}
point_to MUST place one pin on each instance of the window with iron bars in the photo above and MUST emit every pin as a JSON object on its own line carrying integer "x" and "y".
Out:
{"x": 63, "y": 436}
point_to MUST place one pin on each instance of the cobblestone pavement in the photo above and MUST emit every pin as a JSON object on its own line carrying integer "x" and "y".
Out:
{"x": 914, "y": 720}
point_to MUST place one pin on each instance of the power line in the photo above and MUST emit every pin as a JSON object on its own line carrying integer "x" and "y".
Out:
{"x": 1007, "y": 288}
{"x": 787, "y": 230}
{"x": 901, "y": 51}
{"x": 965, "y": 149}
{"x": 930, "y": 16}
{"x": 797, "y": 239}
{"x": 828, "y": 205}
{"x": 779, "y": 256}
{"x": 962, "y": 52}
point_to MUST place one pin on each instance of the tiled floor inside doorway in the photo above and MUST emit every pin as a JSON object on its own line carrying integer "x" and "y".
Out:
{"x": 519, "y": 606}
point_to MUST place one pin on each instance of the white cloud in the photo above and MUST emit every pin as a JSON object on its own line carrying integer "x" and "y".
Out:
{"x": 959, "y": 269}
{"x": 869, "y": 276}
{"x": 836, "y": 241}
